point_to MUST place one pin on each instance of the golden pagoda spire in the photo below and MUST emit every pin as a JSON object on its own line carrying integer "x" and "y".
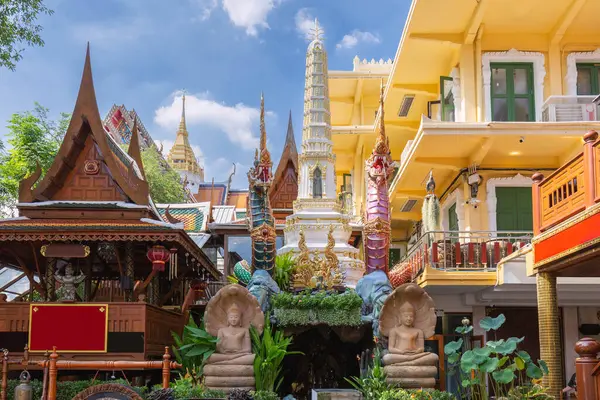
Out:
{"x": 182, "y": 125}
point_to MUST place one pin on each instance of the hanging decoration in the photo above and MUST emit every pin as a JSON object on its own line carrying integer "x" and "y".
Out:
{"x": 107, "y": 252}
{"x": 174, "y": 264}
{"x": 474, "y": 180}
{"x": 158, "y": 255}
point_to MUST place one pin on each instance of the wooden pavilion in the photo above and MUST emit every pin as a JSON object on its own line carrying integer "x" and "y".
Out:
{"x": 92, "y": 210}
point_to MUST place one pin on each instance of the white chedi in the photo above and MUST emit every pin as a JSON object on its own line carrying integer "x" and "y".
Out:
{"x": 317, "y": 207}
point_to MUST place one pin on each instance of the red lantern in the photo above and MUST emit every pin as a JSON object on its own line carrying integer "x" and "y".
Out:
{"x": 159, "y": 255}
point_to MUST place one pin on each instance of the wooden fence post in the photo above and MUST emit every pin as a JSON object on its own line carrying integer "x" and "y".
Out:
{"x": 166, "y": 368}
{"x": 587, "y": 349}
{"x": 537, "y": 178}
{"x": 589, "y": 178}
{"x": 52, "y": 375}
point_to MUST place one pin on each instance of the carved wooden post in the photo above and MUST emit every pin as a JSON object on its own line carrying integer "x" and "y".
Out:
{"x": 589, "y": 179}
{"x": 52, "y": 375}
{"x": 4, "y": 392}
{"x": 129, "y": 270}
{"x": 537, "y": 178}
{"x": 587, "y": 349}
{"x": 166, "y": 368}
{"x": 50, "y": 280}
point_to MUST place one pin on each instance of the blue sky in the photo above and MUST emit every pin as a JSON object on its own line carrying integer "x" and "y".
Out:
{"x": 222, "y": 52}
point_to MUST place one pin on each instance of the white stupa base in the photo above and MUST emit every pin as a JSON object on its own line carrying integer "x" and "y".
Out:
{"x": 315, "y": 224}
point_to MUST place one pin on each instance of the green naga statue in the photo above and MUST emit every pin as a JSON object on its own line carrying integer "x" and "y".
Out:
{"x": 261, "y": 221}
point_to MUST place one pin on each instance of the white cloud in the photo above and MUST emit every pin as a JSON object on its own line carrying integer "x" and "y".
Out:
{"x": 355, "y": 37}
{"x": 236, "y": 121}
{"x": 305, "y": 22}
{"x": 206, "y": 8}
{"x": 248, "y": 14}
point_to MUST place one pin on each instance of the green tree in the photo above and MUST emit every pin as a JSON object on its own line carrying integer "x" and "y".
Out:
{"x": 34, "y": 138}
{"x": 18, "y": 28}
{"x": 165, "y": 183}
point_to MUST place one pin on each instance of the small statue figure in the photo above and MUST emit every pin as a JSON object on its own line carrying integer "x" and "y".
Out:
{"x": 228, "y": 316}
{"x": 407, "y": 319}
{"x": 69, "y": 283}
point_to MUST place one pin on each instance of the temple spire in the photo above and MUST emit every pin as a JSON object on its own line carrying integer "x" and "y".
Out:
{"x": 381, "y": 113}
{"x": 289, "y": 137}
{"x": 316, "y": 33}
{"x": 134, "y": 148}
{"x": 263, "y": 130}
{"x": 182, "y": 125}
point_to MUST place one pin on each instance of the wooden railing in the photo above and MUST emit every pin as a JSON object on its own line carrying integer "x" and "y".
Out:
{"x": 570, "y": 189}
{"x": 53, "y": 364}
{"x": 462, "y": 250}
{"x": 587, "y": 369}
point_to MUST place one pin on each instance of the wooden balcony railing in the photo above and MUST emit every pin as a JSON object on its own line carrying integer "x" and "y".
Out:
{"x": 570, "y": 189}
{"x": 462, "y": 251}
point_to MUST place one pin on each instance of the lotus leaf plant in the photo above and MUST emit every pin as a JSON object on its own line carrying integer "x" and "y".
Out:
{"x": 513, "y": 373}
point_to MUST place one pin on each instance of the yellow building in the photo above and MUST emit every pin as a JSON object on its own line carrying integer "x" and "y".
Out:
{"x": 481, "y": 94}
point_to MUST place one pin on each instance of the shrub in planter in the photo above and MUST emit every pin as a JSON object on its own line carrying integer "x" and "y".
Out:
{"x": 307, "y": 308}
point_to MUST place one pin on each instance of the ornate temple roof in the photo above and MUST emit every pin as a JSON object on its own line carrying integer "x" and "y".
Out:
{"x": 285, "y": 180}
{"x": 119, "y": 123}
{"x": 193, "y": 215}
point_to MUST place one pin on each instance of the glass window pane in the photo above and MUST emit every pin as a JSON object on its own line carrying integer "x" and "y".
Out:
{"x": 522, "y": 111}
{"x": 499, "y": 81}
{"x": 520, "y": 81}
{"x": 584, "y": 81}
{"x": 500, "y": 110}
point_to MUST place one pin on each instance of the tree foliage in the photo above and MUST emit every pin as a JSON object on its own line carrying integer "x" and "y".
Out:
{"x": 18, "y": 28}
{"x": 165, "y": 183}
{"x": 33, "y": 138}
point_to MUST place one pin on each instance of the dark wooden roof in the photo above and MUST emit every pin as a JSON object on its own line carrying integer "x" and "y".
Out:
{"x": 89, "y": 166}
{"x": 284, "y": 189}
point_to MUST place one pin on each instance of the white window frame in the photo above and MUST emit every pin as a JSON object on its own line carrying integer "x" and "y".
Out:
{"x": 514, "y": 56}
{"x": 456, "y": 197}
{"x": 492, "y": 201}
{"x": 572, "y": 60}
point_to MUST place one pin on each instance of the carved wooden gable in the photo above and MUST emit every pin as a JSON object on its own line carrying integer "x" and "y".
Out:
{"x": 285, "y": 191}
{"x": 91, "y": 179}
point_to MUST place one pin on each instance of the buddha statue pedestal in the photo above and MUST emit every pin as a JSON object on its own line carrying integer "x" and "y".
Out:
{"x": 228, "y": 316}
{"x": 407, "y": 318}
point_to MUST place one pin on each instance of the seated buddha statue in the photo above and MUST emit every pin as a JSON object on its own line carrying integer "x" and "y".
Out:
{"x": 406, "y": 326}
{"x": 228, "y": 316}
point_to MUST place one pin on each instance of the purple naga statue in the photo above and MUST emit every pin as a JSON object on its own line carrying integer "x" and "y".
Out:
{"x": 379, "y": 168}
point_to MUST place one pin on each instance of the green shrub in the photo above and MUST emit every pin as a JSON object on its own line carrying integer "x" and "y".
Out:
{"x": 332, "y": 309}
{"x": 284, "y": 270}
{"x": 264, "y": 395}
{"x": 193, "y": 348}
{"x": 401, "y": 394}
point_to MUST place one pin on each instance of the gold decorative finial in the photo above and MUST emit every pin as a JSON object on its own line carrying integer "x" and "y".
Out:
{"x": 182, "y": 124}
{"x": 263, "y": 131}
{"x": 382, "y": 115}
{"x": 316, "y": 33}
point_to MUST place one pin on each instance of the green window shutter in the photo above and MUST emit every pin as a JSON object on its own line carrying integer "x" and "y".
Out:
{"x": 512, "y": 92}
{"x": 588, "y": 79}
{"x": 452, "y": 219}
{"x": 447, "y": 98}
{"x": 514, "y": 209}
{"x": 394, "y": 257}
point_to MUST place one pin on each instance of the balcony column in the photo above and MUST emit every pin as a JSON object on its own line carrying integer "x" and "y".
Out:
{"x": 548, "y": 319}
{"x": 589, "y": 179}
{"x": 537, "y": 179}
{"x": 50, "y": 280}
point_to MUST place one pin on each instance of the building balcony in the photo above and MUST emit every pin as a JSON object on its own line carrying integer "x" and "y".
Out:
{"x": 460, "y": 258}
{"x": 570, "y": 108}
{"x": 566, "y": 215}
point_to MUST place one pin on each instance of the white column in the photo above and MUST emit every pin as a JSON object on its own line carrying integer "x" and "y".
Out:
{"x": 570, "y": 337}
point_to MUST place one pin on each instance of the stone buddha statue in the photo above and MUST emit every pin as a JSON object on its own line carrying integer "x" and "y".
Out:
{"x": 228, "y": 316}
{"x": 407, "y": 318}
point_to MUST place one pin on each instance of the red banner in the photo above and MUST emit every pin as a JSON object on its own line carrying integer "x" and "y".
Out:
{"x": 71, "y": 328}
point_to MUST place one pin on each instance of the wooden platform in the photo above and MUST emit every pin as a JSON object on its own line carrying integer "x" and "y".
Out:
{"x": 136, "y": 331}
